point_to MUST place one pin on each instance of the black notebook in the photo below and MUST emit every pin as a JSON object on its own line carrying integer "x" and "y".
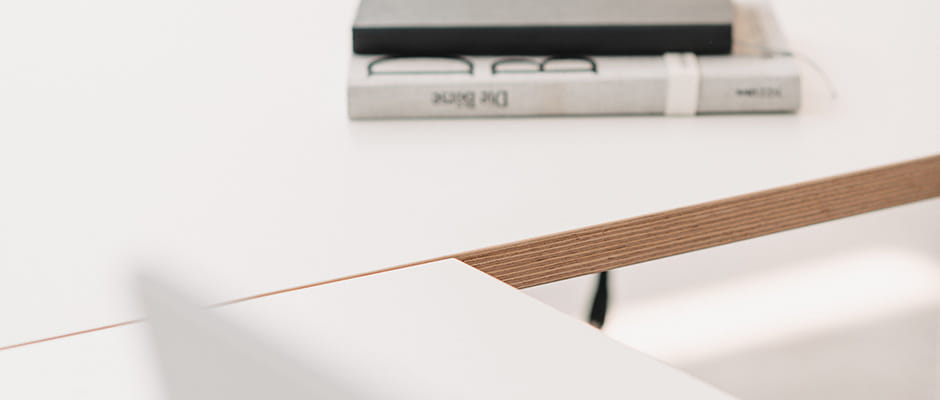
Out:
{"x": 602, "y": 27}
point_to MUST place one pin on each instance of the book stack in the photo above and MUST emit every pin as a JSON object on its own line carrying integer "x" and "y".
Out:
{"x": 496, "y": 76}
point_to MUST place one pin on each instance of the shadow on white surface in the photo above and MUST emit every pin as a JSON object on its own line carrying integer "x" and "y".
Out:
{"x": 847, "y": 309}
{"x": 781, "y": 305}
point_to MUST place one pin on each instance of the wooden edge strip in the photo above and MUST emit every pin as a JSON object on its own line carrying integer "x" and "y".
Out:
{"x": 603, "y": 247}
{"x": 630, "y": 241}
{"x": 224, "y": 303}
{"x": 63, "y": 336}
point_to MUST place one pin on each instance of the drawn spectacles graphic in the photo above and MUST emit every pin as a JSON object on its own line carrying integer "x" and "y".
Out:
{"x": 549, "y": 64}
{"x": 406, "y": 65}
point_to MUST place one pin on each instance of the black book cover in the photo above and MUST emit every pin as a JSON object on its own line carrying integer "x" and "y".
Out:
{"x": 602, "y": 27}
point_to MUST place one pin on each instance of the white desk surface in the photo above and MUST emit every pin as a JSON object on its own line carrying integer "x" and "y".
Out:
{"x": 211, "y": 138}
{"x": 434, "y": 331}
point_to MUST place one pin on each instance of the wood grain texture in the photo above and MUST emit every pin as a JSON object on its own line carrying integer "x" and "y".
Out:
{"x": 630, "y": 241}
{"x": 635, "y": 240}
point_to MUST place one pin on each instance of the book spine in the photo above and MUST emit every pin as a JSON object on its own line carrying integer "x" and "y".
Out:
{"x": 536, "y": 40}
{"x": 758, "y": 85}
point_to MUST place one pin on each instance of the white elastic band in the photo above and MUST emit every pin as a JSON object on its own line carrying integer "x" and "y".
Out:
{"x": 682, "y": 83}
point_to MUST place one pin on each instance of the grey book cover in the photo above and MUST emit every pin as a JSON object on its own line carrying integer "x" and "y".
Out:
{"x": 760, "y": 75}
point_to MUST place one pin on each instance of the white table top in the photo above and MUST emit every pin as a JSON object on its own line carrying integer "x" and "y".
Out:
{"x": 438, "y": 330}
{"x": 210, "y": 138}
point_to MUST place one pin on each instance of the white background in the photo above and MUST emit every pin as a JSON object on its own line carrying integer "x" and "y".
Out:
{"x": 210, "y": 139}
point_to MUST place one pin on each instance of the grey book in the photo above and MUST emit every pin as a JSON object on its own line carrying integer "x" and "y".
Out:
{"x": 760, "y": 75}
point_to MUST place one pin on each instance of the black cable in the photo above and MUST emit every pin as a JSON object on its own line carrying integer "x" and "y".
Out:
{"x": 599, "y": 306}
